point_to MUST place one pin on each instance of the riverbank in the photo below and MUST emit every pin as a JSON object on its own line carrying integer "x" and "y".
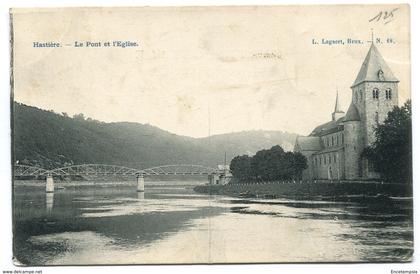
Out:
{"x": 312, "y": 190}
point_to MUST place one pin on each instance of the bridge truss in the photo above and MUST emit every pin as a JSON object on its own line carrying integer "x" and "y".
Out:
{"x": 98, "y": 170}
{"x": 179, "y": 170}
{"x": 25, "y": 170}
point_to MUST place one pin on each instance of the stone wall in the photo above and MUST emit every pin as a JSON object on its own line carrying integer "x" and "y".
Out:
{"x": 353, "y": 147}
{"x": 381, "y": 106}
{"x": 373, "y": 111}
{"x": 331, "y": 161}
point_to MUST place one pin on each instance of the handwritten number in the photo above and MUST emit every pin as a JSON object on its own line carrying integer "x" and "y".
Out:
{"x": 385, "y": 16}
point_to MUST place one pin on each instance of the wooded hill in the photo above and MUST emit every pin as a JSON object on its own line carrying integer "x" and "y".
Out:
{"x": 48, "y": 139}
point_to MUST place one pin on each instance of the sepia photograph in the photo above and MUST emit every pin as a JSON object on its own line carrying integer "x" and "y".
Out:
{"x": 211, "y": 135}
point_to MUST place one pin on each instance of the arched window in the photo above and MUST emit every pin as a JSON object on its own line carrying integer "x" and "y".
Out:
{"x": 376, "y": 117}
{"x": 335, "y": 159}
{"x": 375, "y": 93}
{"x": 388, "y": 94}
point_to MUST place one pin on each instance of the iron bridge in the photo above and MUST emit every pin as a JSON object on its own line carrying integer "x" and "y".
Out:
{"x": 89, "y": 170}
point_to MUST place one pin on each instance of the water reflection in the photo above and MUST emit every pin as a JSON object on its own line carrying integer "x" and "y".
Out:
{"x": 49, "y": 201}
{"x": 172, "y": 224}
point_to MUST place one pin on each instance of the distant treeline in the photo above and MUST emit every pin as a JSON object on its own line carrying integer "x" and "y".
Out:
{"x": 268, "y": 165}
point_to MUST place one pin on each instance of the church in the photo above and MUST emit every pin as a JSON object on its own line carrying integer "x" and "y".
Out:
{"x": 334, "y": 149}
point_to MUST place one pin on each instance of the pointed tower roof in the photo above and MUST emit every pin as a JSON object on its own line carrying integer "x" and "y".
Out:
{"x": 374, "y": 68}
{"x": 337, "y": 107}
{"x": 352, "y": 114}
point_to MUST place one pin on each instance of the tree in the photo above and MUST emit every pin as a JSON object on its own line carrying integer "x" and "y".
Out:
{"x": 259, "y": 165}
{"x": 300, "y": 163}
{"x": 269, "y": 165}
{"x": 391, "y": 153}
{"x": 79, "y": 117}
{"x": 240, "y": 166}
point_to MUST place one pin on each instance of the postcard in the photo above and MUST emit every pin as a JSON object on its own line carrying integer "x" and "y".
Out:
{"x": 211, "y": 135}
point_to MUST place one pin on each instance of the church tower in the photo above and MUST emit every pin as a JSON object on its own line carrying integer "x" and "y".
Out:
{"x": 374, "y": 94}
{"x": 338, "y": 113}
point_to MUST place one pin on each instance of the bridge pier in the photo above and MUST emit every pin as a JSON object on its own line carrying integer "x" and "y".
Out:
{"x": 49, "y": 186}
{"x": 140, "y": 183}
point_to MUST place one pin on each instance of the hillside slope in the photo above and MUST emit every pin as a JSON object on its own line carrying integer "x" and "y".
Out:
{"x": 48, "y": 139}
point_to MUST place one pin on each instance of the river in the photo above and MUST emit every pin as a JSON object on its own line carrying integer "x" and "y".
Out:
{"x": 169, "y": 223}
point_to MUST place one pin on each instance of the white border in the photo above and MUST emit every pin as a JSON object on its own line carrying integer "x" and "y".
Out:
{"x": 5, "y": 178}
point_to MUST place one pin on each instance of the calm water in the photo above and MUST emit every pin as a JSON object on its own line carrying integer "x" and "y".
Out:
{"x": 169, "y": 223}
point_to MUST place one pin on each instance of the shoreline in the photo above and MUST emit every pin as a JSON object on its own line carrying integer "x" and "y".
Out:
{"x": 312, "y": 190}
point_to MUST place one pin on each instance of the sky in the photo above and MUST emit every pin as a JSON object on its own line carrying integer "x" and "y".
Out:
{"x": 200, "y": 71}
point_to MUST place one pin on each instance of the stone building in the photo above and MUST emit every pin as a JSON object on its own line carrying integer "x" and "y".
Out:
{"x": 334, "y": 149}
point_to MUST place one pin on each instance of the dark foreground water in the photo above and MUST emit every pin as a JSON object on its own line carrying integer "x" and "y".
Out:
{"x": 169, "y": 223}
